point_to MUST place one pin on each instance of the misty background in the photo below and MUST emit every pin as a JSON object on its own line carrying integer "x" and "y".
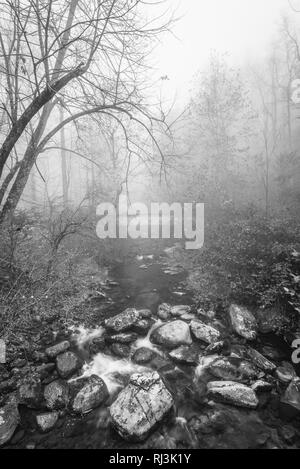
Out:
{"x": 187, "y": 101}
{"x": 251, "y": 44}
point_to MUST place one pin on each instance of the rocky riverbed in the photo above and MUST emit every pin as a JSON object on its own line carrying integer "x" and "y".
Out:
{"x": 154, "y": 371}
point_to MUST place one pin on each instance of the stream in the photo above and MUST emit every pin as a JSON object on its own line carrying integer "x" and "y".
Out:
{"x": 145, "y": 282}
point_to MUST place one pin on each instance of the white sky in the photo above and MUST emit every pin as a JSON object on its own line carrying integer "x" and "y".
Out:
{"x": 243, "y": 28}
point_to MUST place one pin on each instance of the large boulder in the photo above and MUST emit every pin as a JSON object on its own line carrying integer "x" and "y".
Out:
{"x": 290, "y": 401}
{"x": 243, "y": 322}
{"x": 232, "y": 393}
{"x": 90, "y": 393}
{"x": 140, "y": 406}
{"x": 46, "y": 422}
{"x": 9, "y": 420}
{"x": 205, "y": 333}
{"x": 57, "y": 349}
{"x": 172, "y": 335}
{"x": 123, "y": 321}
{"x": 56, "y": 395}
{"x": 67, "y": 364}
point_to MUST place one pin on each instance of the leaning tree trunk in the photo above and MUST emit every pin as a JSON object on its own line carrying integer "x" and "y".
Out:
{"x": 25, "y": 166}
{"x": 10, "y": 176}
{"x": 37, "y": 104}
{"x": 42, "y": 102}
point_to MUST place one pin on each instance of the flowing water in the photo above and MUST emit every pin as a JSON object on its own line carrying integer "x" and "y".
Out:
{"x": 145, "y": 282}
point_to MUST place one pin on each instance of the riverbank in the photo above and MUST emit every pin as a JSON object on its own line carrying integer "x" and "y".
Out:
{"x": 185, "y": 352}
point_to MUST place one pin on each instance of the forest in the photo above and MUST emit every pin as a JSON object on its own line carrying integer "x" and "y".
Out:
{"x": 86, "y": 118}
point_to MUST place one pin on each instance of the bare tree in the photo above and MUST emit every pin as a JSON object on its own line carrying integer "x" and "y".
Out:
{"x": 85, "y": 50}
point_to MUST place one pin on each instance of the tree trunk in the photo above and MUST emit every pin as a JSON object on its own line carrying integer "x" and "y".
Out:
{"x": 8, "y": 180}
{"x": 25, "y": 166}
{"x": 37, "y": 104}
{"x": 41, "y": 102}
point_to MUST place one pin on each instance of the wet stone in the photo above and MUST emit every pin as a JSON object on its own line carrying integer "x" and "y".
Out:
{"x": 56, "y": 395}
{"x": 206, "y": 314}
{"x": 88, "y": 394}
{"x": 233, "y": 369}
{"x": 141, "y": 406}
{"x": 143, "y": 326}
{"x": 161, "y": 364}
{"x": 9, "y": 420}
{"x": 188, "y": 317}
{"x": 120, "y": 350}
{"x": 185, "y": 355}
{"x": 216, "y": 347}
{"x": 286, "y": 373}
{"x": 205, "y": 333}
{"x": 164, "y": 311}
{"x": 262, "y": 386}
{"x": 232, "y": 393}
{"x": 57, "y": 349}
{"x": 123, "y": 321}
{"x": 46, "y": 422}
{"x": 145, "y": 313}
{"x": 254, "y": 356}
{"x": 67, "y": 364}
{"x": 143, "y": 355}
{"x": 172, "y": 335}
{"x": 243, "y": 322}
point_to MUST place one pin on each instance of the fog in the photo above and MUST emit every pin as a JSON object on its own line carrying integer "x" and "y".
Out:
{"x": 244, "y": 30}
{"x": 149, "y": 225}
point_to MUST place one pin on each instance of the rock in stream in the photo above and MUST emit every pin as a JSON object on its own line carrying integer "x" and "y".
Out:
{"x": 140, "y": 406}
